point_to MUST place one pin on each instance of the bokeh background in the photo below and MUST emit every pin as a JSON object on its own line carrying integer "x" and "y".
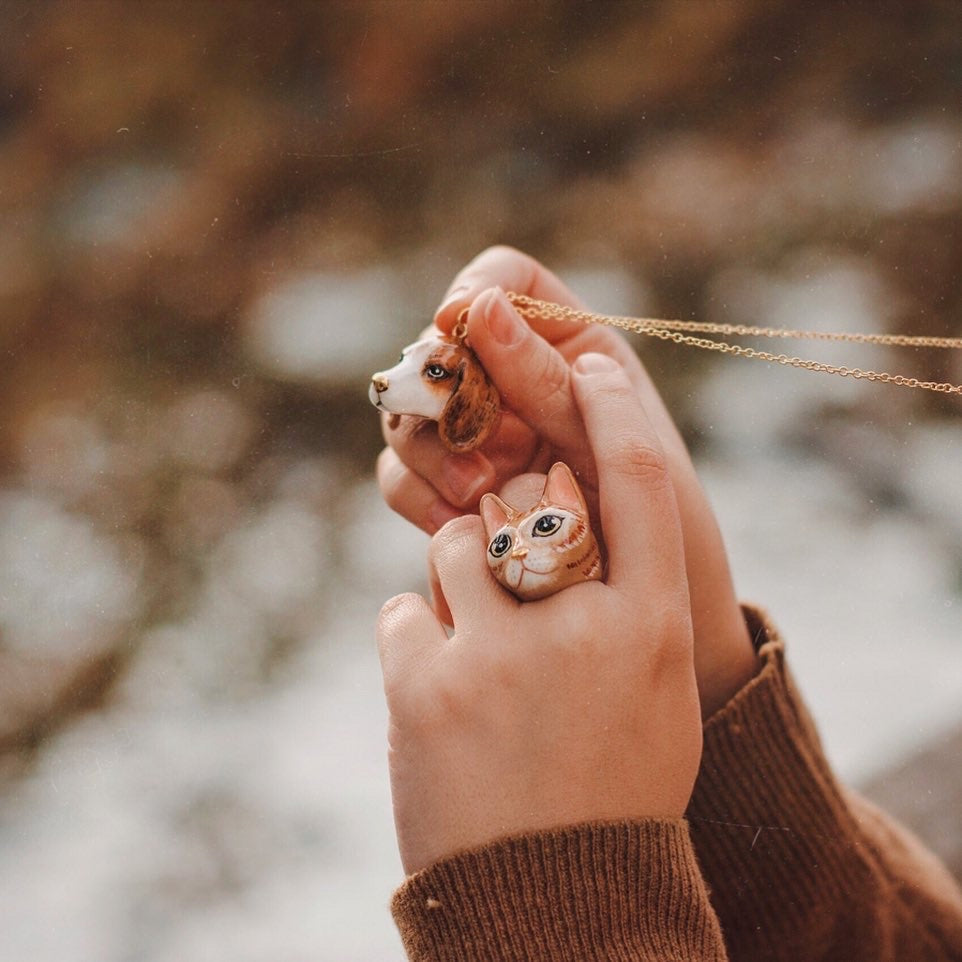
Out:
{"x": 216, "y": 219}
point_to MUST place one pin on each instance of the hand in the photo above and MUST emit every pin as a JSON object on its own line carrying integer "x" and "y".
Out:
{"x": 579, "y": 707}
{"x": 531, "y": 368}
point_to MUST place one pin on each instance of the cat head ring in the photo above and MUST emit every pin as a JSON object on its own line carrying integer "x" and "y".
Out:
{"x": 442, "y": 379}
{"x": 536, "y": 552}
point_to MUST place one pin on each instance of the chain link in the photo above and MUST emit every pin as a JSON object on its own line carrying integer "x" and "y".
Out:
{"x": 680, "y": 332}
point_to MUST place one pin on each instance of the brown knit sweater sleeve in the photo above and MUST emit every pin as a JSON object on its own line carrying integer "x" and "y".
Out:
{"x": 619, "y": 892}
{"x": 798, "y": 867}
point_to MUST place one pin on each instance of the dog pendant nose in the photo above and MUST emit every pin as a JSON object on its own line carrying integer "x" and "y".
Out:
{"x": 379, "y": 382}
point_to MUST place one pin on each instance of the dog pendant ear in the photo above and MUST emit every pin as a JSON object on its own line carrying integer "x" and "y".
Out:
{"x": 473, "y": 409}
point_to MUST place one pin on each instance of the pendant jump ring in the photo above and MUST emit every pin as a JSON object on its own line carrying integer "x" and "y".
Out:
{"x": 460, "y": 329}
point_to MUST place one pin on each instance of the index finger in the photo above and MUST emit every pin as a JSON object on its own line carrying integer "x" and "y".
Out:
{"x": 639, "y": 514}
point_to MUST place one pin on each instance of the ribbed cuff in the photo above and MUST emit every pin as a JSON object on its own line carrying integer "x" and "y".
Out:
{"x": 775, "y": 839}
{"x": 612, "y": 891}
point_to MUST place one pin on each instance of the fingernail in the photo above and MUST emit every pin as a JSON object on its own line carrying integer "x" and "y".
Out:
{"x": 465, "y": 475}
{"x": 593, "y": 363}
{"x": 502, "y": 321}
{"x": 454, "y": 295}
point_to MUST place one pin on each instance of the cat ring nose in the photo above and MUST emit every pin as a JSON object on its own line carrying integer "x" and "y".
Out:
{"x": 379, "y": 383}
{"x": 519, "y": 552}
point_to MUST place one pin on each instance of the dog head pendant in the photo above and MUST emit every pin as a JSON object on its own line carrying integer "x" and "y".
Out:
{"x": 441, "y": 378}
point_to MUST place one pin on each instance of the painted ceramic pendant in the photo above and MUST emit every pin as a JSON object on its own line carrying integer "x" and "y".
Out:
{"x": 537, "y": 552}
{"x": 442, "y": 379}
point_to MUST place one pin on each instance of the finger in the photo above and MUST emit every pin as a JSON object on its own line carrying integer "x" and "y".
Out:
{"x": 410, "y": 495}
{"x": 459, "y": 479}
{"x": 505, "y": 267}
{"x": 408, "y": 635}
{"x": 639, "y": 515}
{"x": 461, "y": 581}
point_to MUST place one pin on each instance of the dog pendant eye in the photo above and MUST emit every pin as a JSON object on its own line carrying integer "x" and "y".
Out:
{"x": 435, "y": 372}
{"x": 500, "y": 545}
{"x": 545, "y": 525}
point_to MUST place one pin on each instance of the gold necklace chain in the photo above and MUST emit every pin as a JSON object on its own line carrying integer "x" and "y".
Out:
{"x": 680, "y": 332}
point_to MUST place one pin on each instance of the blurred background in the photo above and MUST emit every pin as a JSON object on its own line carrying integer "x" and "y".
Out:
{"x": 216, "y": 219}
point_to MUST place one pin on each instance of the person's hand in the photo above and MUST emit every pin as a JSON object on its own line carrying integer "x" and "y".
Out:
{"x": 428, "y": 485}
{"x": 580, "y": 707}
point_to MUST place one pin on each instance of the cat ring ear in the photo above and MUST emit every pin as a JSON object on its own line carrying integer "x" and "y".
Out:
{"x": 494, "y": 513}
{"x": 551, "y": 546}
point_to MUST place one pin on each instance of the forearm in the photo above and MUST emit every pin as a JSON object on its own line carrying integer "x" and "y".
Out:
{"x": 798, "y": 868}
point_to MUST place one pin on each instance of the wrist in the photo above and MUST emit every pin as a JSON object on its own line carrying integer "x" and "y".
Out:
{"x": 727, "y": 667}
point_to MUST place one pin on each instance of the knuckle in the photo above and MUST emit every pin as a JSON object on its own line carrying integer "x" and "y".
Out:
{"x": 580, "y": 641}
{"x": 457, "y": 530}
{"x": 395, "y": 612}
{"x": 671, "y": 647}
{"x": 579, "y": 648}
{"x": 552, "y": 376}
{"x": 443, "y": 704}
{"x": 582, "y": 630}
{"x": 480, "y": 685}
{"x": 638, "y": 461}
{"x": 547, "y": 392}
{"x": 452, "y": 537}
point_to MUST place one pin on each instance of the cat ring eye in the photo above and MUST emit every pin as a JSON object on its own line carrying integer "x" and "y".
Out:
{"x": 500, "y": 545}
{"x": 545, "y": 525}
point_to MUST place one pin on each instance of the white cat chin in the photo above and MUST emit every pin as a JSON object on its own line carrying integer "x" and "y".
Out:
{"x": 529, "y": 584}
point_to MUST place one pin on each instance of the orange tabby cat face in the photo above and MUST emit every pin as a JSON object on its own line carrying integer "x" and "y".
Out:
{"x": 538, "y": 552}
